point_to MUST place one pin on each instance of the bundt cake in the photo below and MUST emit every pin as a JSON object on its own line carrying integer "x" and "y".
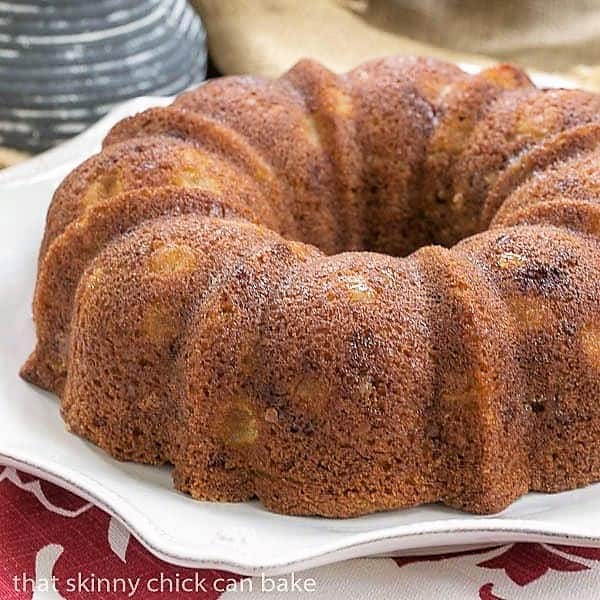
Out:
{"x": 336, "y": 293}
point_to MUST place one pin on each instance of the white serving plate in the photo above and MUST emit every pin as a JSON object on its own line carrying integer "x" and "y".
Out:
{"x": 243, "y": 538}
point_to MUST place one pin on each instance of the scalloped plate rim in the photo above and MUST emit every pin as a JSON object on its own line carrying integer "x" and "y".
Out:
{"x": 485, "y": 532}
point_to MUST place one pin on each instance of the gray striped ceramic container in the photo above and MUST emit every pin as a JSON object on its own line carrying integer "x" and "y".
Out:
{"x": 64, "y": 63}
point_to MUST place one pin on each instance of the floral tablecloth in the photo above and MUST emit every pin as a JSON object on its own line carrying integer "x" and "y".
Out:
{"x": 55, "y": 545}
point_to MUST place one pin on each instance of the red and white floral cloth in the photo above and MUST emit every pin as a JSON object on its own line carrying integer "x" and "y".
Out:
{"x": 55, "y": 545}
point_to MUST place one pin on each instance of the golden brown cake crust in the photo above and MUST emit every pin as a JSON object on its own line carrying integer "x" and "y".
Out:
{"x": 336, "y": 293}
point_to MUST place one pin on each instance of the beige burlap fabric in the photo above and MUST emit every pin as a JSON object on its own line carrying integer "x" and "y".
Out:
{"x": 268, "y": 36}
{"x": 10, "y": 157}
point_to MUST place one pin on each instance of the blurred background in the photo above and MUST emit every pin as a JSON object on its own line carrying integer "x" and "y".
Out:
{"x": 64, "y": 63}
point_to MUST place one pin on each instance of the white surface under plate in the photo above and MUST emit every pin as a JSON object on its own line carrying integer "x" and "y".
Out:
{"x": 241, "y": 537}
